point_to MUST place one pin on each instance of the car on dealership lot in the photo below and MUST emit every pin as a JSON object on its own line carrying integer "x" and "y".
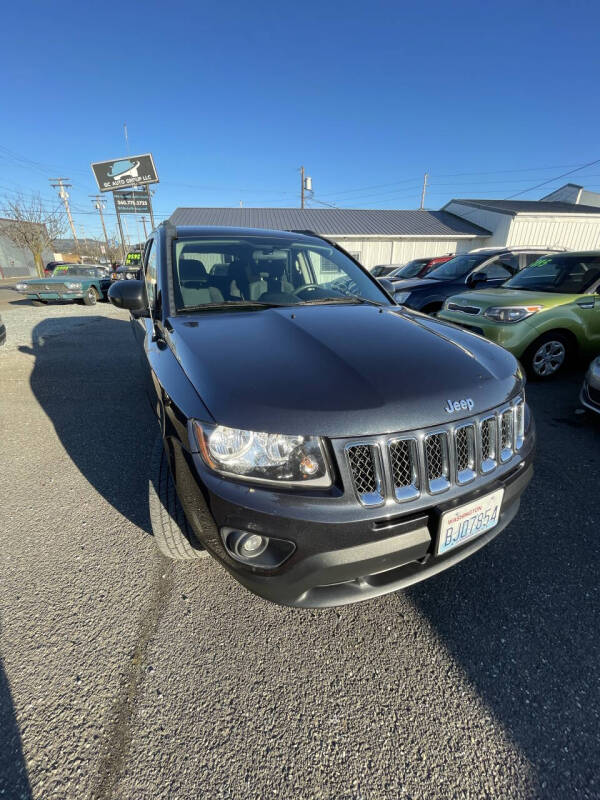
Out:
{"x": 479, "y": 269}
{"x": 590, "y": 391}
{"x": 52, "y": 265}
{"x": 316, "y": 466}
{"x": 85, "y": 282}
{"x": 545, "y": 315}
{"x": 381, "y": 270}
{"x": 418, "y": 267}
{"x": 128, "y": 273}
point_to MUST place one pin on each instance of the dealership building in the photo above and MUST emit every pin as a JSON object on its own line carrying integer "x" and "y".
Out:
{"x": 384, "y": 236}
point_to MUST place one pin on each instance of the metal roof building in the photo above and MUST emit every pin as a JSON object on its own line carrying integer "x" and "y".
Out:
{"x": 384, "y": 236}
{"x": 378, "y": 236}
{"x": 543, "y": 223}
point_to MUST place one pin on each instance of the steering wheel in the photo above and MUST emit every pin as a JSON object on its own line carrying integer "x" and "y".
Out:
{"x": 311, "y": 286}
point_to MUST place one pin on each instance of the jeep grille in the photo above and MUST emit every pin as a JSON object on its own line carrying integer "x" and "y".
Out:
{"x": 432, "y": 461}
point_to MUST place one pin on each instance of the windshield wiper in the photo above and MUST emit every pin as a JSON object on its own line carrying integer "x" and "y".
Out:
{"x": 233, "y": 304}
{"x": 348, "y": 298}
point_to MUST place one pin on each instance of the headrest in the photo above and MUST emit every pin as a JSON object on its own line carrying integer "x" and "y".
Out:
{"x": 190, "y": 269}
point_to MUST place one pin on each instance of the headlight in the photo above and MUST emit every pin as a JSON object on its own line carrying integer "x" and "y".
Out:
{"x": 72, "y": 285}
{"x": 510, "y": 313}
{"x": 20, "y": 287}
{"x": 401, "y": 297}
{"x": 297, "y": 460}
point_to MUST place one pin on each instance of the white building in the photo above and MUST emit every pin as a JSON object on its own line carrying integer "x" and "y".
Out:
{"x": 543, "y": 223}
{"x": 383, "y": 236}
{"x": 374, "y": 237}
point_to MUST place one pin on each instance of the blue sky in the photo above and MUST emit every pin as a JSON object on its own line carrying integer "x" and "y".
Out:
{"x": 232, "y": 97}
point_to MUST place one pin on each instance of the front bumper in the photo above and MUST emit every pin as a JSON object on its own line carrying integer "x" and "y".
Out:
{"x": 53, "y": 295}
{"x": 590, "y": 397}
{"x": 344, "y": 552}
{"x": 515, "y": 337}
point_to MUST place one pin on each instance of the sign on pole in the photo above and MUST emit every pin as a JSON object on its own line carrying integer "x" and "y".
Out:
{"x": 125, "y": 173}
{"x": 132, "y": 202}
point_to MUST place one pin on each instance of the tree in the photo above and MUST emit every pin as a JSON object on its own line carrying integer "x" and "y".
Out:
{"x": 32, "y": 226}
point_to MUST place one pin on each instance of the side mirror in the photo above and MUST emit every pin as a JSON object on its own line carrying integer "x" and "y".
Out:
{"x": 129, "y": 295}
{"x": 387, "y": 285}
{"x": 476, "y": 278}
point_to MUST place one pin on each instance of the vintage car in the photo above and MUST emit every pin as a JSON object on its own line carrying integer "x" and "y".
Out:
{"x": 85, "y": 282}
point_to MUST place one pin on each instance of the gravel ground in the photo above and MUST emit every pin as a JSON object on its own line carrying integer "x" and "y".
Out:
{"x": 125, "y": 676}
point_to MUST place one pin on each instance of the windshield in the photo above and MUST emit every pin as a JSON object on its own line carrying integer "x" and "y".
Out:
{"x": 409, "y": 270}
{"x": 254, "y": 270}
{"x": 563, "y": 274}
{"x": 458, "y": 267}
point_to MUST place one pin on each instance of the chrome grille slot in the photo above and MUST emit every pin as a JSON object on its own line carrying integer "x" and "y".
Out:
{"x": 465, "y": 453}
{"x": 365, "y": 467}
{"x": 489, "y": 444}
{"x": 404, "y": 464}
{"x": 506, "y": 434}
{"x": 519, "y": 424}
{"x": 437, "y": 462}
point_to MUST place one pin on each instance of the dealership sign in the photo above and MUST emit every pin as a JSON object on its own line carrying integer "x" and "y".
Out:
{"x": 122, "y": 173}
{"x": 132, "y": 202}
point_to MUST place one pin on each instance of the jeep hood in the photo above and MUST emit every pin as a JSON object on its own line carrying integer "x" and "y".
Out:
{"x": 337, "y": 370}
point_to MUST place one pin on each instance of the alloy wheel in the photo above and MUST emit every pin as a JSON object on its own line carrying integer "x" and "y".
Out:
{"x": 548, "y": 358}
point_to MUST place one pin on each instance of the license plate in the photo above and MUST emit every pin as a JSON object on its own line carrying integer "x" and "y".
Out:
{"x": 466, "y": 522}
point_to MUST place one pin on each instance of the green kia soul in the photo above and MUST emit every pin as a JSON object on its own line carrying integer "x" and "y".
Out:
{"x": 547, "y": 313}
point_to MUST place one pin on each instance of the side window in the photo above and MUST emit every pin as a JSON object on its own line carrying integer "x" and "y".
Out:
{"x": 530, "y": 258}
{"x": 150, "y": 273}
{"x": 503, "y": 267}
{"x": 326, "y": 271}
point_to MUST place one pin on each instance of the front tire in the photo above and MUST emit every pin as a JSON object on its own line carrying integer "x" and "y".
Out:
{"x": 547, "y": 356}
{"x": 90, "y": 298}
{"x": 173, "y": 534}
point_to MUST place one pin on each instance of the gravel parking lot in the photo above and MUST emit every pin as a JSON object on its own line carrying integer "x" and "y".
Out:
{"x": 123, "y": 675}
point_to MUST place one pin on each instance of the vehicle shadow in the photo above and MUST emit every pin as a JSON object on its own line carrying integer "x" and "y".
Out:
{"x": 88, "y": 379}
{"x": 522, "y": 617}
{"x": 14, "y": 781}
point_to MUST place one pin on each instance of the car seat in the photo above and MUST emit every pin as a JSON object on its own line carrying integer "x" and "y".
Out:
{"x": 194, "y": 288}
{"x": 245, "y": 284}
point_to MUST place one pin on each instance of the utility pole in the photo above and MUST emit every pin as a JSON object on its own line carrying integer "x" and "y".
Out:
{"x": 148, "y": 194}
{"x": 99, "y": 203}
{"x": 144, "y": 224}
{"x": 127, "y": 233}
{"x": 64, "y": 196}
{"x": 301, "y": 187}
{"x": 425, "y": 177}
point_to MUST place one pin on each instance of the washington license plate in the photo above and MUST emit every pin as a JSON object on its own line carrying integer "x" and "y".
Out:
{"x": 466, "y": 522}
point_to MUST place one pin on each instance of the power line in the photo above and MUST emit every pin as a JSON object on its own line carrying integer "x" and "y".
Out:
{"x": 558, "y": 177}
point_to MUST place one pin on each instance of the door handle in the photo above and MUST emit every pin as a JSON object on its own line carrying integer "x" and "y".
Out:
{"x": 585, "y": 303}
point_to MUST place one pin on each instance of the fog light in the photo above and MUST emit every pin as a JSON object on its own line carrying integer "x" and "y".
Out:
{"x": 253, "y": 545}
{"x": 256, "y": 550}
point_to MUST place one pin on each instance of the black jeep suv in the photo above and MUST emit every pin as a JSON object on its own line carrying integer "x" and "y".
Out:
{"x": 316, "y": 465}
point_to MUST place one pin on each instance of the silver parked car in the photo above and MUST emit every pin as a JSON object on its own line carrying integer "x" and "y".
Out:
{"x": 590, "y": 391}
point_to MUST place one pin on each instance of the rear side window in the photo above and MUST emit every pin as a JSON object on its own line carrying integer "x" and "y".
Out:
{"x": 504, "y": 266}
